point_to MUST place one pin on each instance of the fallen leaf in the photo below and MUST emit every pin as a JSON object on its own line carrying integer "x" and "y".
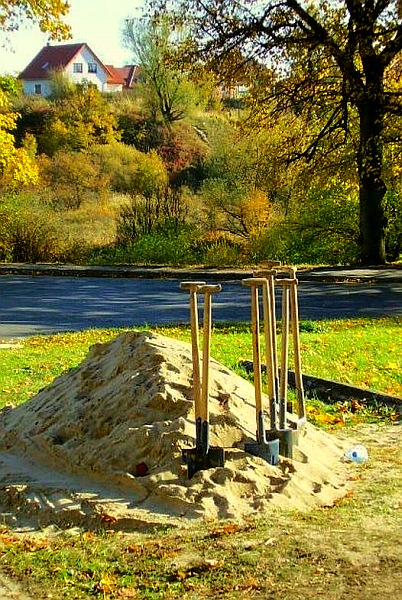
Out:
{"x": 225, "y": 529}
{"x": 108, "y": 518}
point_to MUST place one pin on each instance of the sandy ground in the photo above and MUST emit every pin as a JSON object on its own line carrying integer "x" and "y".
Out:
{"x": 103, "y": 444}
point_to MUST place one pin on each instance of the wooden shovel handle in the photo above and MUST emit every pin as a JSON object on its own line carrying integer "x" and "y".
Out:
{"x": 255, "y": 333}
{"x": 207, "y": 291}
{"x": 294, "y": 317}
{"x": 284, "y": 357}
{"x": 192, "y": 287}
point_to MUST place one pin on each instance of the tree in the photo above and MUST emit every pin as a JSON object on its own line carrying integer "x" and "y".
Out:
{"x": 78, "y": 121}
{"x": 47, "y": 14}
{"x": 129, "y": 170}
{"x": 69, "y": 178}
{"x": 327, "y": 60}
{"x": 17, "y": 167}
{"x": 168, "y": 92}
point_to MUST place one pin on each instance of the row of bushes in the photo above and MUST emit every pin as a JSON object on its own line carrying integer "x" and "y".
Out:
{"x": 157, "y": 231}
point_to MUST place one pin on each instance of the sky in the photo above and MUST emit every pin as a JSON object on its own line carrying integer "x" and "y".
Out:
{"x": 99, "y": 23}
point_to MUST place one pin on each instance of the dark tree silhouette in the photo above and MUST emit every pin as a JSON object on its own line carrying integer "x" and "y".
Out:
{"x": 330, "y": 58}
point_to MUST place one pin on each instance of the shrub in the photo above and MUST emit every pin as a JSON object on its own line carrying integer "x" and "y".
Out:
{"x": 160, "y": 212}
{"x": 131, "y": 171}
{"x": 70, "y": 178}
{"x": 26, "y": 235}
{"x": 393, "y": 234}
{"x": 164, "y": 247}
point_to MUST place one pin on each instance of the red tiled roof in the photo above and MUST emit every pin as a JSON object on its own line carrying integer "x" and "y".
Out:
{"x": 130, "y": 74}
{"x": 50, "y": 58}
{"x": 114, "y": 75}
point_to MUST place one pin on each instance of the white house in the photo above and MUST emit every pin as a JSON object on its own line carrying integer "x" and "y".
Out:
{"x": 76, "y": 61}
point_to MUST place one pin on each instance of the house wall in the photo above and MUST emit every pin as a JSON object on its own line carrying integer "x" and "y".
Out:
{"x": 29, "y": 87}
{"x": 85, "y": 58}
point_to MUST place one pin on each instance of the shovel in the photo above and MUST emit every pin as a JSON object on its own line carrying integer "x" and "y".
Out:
{"x": 294, "y": 321}
{"x": 287, "y": 437}
{"x": 294, "y": 318}
{"x": 202, "y": 456}
{"x": 268, "y": 288}
{"x": 192, "y": 287}
{"x": 262, "y": 447}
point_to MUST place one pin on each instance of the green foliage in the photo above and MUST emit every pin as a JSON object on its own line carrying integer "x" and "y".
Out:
{"x": 169, "y": 245}
{"x": 34, "y": 114}
{"x": 69, "y": 178}
{"x": 393, "y": 214}
{"x": 138, "y": 130}
{"x": 26, "y": 234}
{"x": 10, "y": 85}
{"x": 165, "y": 211}
{"x": 222, "y": 253}
{"x": 131, "y": 171}
{"x": 327, "y": 226}
{"x": 167, "y": 92}
{"x": 61, "y": 86}
{"x": 322, "y": 228}
{"x": 79, "y": 121}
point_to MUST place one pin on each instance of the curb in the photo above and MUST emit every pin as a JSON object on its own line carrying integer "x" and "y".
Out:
{"x": 128, "y": 272}
{"x": 341, "y": 275}
{"x": 334, "y": 391}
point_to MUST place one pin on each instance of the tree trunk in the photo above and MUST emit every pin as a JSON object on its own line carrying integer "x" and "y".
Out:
{"x": 371, "y": 185}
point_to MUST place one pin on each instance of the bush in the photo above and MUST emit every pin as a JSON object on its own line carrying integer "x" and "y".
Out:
{"x": 168, "y": 246}
{"x": 164, "y": 247}
{"x": 393, "y": 234}
{"x": 31, "y": 232}
{"x": 26, "y": 236}
{"x": 70, "y": 179}
{"x": 217, "y": 249}
{"x": 143, "y": 216}
{"x": 131, "y": 171}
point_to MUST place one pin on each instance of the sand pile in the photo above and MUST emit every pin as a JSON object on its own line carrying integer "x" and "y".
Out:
{"x": 124, "y": 415}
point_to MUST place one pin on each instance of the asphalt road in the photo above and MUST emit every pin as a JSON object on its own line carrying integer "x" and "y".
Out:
{"x": 32, "y": 305}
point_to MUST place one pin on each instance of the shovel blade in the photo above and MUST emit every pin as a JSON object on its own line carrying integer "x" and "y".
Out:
{"x": 197, "y": 460}
{"x": 268, "y": 451}
{"x": 288, "y": 439}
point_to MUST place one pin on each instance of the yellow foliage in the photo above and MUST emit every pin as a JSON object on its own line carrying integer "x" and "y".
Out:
{"x": 47, "y": 14}
{"x": 16, "y": 166}
{"x": 255, "y": 211}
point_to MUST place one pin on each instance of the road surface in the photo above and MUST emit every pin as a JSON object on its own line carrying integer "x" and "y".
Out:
{"x": 32, "y": 305}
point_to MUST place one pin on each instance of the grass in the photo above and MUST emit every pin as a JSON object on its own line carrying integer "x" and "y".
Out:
{"x": 363, "y": 352}
{"x": 351, "y": 550}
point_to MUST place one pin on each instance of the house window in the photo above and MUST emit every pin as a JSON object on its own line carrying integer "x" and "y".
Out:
{"x": 92, "y": 68}
{"x": 77, "y": 67}
{"x": 38, "y": 88}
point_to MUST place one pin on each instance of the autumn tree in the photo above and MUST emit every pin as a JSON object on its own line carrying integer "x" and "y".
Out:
{"x": 167, "y": 91}
{"x": 46, "y": 14}
{"x": 328, "y": 61}
{"x": 17, "y": 166}
{"x": 78, "y": 121}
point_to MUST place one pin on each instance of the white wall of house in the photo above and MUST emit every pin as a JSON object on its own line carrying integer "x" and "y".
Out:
{"x": 85, "y": 66}
{"x": 40, "y": 87}
{"x": 112, "y": 87}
